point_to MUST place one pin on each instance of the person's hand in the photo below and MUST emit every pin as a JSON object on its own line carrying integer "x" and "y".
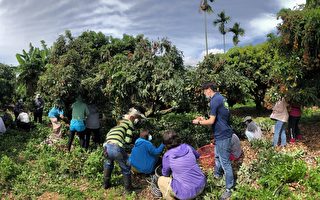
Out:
{"x": 196, "y": 121}
{"x": 200, "y": 118}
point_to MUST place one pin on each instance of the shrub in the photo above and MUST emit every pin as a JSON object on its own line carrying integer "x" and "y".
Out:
{"x": 93, "y": 166}
{"x": 314, "y": 179}
{"x": 265, "y": 123}
{"x": 8, "y": 170}
{"x": 194, "y": 135}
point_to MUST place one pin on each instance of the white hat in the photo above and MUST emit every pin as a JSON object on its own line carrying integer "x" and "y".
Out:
{"x": 134, "y": 111}
{"x": 247, "y": 118}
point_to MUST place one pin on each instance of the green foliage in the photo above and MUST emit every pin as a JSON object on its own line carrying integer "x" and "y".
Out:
{"x": 300, "y": 45}
{"x": 273, "y": 172}
{"x": 196, "y": 136}
{"x": 314, "y": 179}
{"x": 248, "y": 192}
{"x": 261, "y": 144}
{"x": 265, "y": 123}
{"x": 237, "y": 31}
{"x": 122, "y": 72}
{"x": 238, "y": 126}
{"x": 8, "y": 171}
{"x": 282, "y": 170}
{"x": 7, "y": 83}
{"x": 31, "y": 65}
{"x": 93, "y": 166}
{"x": 241, "y": 73}
{"x": 231, "y": 83}
{"x": 253, "y": 64}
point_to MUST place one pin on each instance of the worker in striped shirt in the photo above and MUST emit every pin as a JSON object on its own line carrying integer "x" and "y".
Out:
{"x": 117, "y": 137}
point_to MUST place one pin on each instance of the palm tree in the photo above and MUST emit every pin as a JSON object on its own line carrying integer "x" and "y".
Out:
{"x": 236, "y": 30}
{"x": 206, "y": 8}
{"x": 222, "y": 21}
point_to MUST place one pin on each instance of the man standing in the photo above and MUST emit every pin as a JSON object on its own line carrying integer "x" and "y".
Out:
{"x": 38, "y": 109}
{"x": 219, "y": 118}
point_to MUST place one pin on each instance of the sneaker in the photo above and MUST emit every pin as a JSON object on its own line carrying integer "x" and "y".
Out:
{"x": 226, "y": 195}
{"x": 292, "y": 140}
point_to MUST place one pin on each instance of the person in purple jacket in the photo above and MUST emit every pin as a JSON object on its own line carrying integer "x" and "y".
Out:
{"x": 181, "y": 177}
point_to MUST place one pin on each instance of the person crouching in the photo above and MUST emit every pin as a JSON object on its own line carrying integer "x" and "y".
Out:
{"x": 145, "y": 155}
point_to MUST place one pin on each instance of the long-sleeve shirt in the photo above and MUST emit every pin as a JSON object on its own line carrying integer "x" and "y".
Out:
{"x": 187, "y": 178}
{"x": 145, "y": 155}
{"x": 121, "y": 134}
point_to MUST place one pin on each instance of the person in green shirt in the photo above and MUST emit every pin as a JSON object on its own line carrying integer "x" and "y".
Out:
{"x": 79, "y": 113}
{"x": 114, "y": 150}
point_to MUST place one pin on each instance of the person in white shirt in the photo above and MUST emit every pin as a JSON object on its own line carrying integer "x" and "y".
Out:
{"x": 2, "y": 127}
{"x": 23, "y": 120}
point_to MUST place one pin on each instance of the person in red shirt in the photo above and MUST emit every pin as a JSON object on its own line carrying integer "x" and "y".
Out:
{"x": 294, "y": 118}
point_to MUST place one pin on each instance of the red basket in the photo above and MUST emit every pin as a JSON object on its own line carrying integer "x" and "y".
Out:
{"x": 206, "y": 159}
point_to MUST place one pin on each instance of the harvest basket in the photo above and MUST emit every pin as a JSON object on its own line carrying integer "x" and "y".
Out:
{"x": 206, "y": 159}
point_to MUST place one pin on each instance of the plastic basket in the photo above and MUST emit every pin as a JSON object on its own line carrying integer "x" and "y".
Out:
{"x": 206, "y": 159}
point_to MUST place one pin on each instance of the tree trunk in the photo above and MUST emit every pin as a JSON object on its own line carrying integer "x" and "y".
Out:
{"x": 205, "y": 30}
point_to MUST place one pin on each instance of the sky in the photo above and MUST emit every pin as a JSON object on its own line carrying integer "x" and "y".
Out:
{"x": 180, "y": 21}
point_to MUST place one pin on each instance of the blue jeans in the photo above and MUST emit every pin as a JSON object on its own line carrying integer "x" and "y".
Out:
{"x": 279, "y": 129}
{"x": 116, "y": 153}
{"x": 222, "y": 150}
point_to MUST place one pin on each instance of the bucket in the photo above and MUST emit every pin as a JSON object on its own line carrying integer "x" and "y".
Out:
{"x": 206, "y": 159}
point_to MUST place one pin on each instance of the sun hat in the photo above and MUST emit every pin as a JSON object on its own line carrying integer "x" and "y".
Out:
{"x": 247, "y": 118}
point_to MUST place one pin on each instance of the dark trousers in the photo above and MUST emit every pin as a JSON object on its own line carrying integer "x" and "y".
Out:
{"x": 293, "y": 126}
{"x": 37, "y": 117}
{"x": 96, "y": 136}
{"x": 83, "y": 136}
{"x": 23, "y": 126}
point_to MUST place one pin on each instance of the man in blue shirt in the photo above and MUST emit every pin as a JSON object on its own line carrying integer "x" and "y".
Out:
{"x": 144, "y": 155}
{"x": 222, "y": 132}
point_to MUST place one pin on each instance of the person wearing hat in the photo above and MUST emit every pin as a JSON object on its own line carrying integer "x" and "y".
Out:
{"x": 117, "y": 138}
{"x": 219, "y": 118}
{"x": 253, "y": 131}
{"x": 38, "y": 108}
{"x": 144, "y": 154}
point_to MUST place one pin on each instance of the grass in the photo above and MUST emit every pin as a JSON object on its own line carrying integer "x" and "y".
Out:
{"x": 29, "y": 170}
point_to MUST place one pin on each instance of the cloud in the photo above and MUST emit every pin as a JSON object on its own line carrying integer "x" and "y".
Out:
{"x": 22, "y": 22}
{"x": 193, "y": 61}
{"x": 291, "y": 3}
{"x": 264, "y": 24}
